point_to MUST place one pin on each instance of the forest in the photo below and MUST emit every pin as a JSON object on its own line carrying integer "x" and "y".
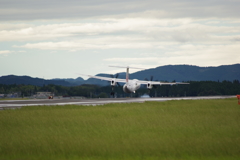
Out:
{"x": 195, "y": 88}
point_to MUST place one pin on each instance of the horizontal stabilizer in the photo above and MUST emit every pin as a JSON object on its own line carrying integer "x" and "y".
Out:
{"x": 126, "y": 67}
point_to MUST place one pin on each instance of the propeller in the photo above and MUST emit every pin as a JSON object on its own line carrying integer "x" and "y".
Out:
{"x": 151, "y": 79}
{"x": 116, "y": 76}
{"x": 149, "y": 85}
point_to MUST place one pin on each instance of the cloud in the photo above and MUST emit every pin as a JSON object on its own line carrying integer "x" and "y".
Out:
{"x": 5, "y": 52}
{"x": 174, "y": 41}
{"x": 130, "y": 60}
{"x": 98, "y": 33}
{"x": 61, "y": 9}
{"x": 187, "y": 54}
{"x": 115, "y": 33}
{"x": 100, "y": 43}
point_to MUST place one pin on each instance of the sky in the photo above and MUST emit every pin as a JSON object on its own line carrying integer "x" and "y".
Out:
{"x": 63, "y": 39}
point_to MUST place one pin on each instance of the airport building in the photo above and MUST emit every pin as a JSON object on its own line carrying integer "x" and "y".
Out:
{"x": 43, "y": 95}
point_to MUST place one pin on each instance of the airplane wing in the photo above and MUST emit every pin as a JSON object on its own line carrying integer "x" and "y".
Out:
{"x": 160, "y": 83}
{"x": 108, "y": 79}
{"x": 139, "y": 81}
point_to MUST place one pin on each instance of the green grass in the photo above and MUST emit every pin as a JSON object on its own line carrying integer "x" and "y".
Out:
{"x": 186, "y": 129}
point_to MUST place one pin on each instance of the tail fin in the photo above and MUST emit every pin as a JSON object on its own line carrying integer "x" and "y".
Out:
{"x": 127, "y": 72}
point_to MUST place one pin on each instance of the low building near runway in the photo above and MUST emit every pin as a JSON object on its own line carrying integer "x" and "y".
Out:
{"x": 43, "y": 95}
{"x": 11, "y": 95}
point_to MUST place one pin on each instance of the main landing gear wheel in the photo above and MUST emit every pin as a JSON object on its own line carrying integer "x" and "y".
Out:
{"x": 112, "y": 94}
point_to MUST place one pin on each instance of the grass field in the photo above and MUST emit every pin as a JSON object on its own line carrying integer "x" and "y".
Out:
{"x": 185, "y": 129}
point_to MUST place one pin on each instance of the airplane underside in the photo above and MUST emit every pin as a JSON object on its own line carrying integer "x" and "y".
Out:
{"x": 125, "y": 89}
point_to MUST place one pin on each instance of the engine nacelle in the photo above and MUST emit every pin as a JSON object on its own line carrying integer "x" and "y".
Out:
{"x": 149, "y": 86}
{"x": 113, "y": 82}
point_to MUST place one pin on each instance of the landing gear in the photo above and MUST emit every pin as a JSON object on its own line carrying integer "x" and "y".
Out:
{"x": 112, "y": 94}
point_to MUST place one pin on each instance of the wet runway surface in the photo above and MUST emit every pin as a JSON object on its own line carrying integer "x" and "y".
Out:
{"x": 8, "y": 104}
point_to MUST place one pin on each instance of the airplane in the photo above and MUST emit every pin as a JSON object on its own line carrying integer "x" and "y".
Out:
{"x": 131, "y": 86}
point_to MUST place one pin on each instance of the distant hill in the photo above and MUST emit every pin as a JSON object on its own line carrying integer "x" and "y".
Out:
{"x": 12, "y": 79}
{"x": 181, "y": 73}
{"x": 80, "y": 81}
{"x": 163, "y": 73}
{"x": 77, "y": 81}
{"x": 191, "y": 73}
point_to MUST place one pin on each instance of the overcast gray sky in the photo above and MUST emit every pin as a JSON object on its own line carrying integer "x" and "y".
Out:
{"x": 59, "y": 38}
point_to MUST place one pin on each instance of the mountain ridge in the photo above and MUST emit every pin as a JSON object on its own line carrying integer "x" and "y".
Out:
{"x": 162, "y": 73}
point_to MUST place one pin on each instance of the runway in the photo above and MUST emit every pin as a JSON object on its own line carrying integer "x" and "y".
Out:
{"x": 11, "y": 104}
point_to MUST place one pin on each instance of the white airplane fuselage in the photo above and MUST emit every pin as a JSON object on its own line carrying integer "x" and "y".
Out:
{"x": 131, "y": 86}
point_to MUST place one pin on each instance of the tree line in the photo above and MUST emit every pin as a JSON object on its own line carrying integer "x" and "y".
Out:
{"x": 195, "y": 88}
